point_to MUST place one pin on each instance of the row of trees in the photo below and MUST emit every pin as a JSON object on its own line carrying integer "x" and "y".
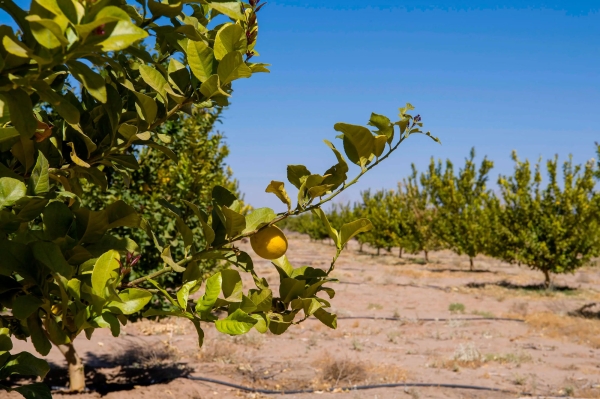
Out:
{"x": 551, "y": 224}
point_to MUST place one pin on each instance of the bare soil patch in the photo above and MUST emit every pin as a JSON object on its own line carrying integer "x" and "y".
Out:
{"x": 554, "y": 352}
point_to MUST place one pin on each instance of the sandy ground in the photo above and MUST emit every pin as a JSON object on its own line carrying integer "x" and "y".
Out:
{"x": 549, "y": 354}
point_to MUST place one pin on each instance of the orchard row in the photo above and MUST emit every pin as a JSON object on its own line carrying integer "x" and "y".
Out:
{"x": 551, "y": 223}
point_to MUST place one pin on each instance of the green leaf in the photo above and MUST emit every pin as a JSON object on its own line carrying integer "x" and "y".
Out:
{"x": 379, "y": 144}
{"x": 21, "y": 115}
{"x": 258, "y": 218}
{"x": 278, "y": 327}
{"x": 223, "y": 196}
{"x": 212, "y": 87}
{"x": 329, "y": 319}
{"x": 8, "y": 134}
{"x": 106, "y": 15}
{"x": 5, "y": 341}
{"x": 11, "y": 190}
{"x": 259, "y": 67}
{"x": 37, "y": 390}
{"x": 50, "y": 255}
{"x": 57, "y": 219}
{"x": 232, "y": 67}
{"x": 237, "y": 323}
{"x": 278, "y": 188}
{"x": 336, "y": 175}
{"x": 230, "y": 38}
{"x": 201, "y": 60}
{"x": 384, "y": 126}
{"x": 25, "y": 364}
{"x": 213, "y": 289}
{"x": 38, "y": 337}
{"x": 184, "y": 292}
{"x": 360, "y": 138}
{"x": 47, "y": 32}
{"x": 168, "y": 259}
{"x": 40, "y": 180}
{"x": 284, "y": 265}
{"x": 120, "y": 214}
{"x": 105, "y": 273}
{"x": 296, "y": 173}
{"x": 146, "y": 107}
{"x": 231, "y": 285}
{"x": 168, "y": 9}
{"x": 59, "y": 102}
{"x": 261, "y": 323}
{"x": 132, "y": 300}
{"x": 290, "y": 289}
{"x": 308, "y": 305}
{"x": 229, "y": 8}
{"x": 120, "y": 34}
{"x": 179, "y": 76}
{"x": 262, "y": 299}
{"x": 209, "y": 234}
{"x": 333, "y": 234}
{"x": 15, "y": 47}
{"x": 25, "y": 305}
{"x": 235, "y": 222}
{"x": 351, "y": 229}
{"x": 155, "y": 80}
{"x": 93, "y": 82}
{"x": 113, "y": 323}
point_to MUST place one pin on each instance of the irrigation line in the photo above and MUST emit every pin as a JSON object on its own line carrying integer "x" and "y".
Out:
{"x": 430, "y": 319}
{"x": 354, "y": 387}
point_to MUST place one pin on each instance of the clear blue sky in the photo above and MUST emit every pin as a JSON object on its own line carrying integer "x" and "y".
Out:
{"x": 524, "y": 75}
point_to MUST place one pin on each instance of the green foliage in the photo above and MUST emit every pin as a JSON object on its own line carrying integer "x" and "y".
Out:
{"x": 456, "y": 307}
{"x": 185, "y": 178}
{"x": 82, "y": 101}
{"x": 464, "y": 222}
{"x": 382, "y": 208}
{"x": 554, "y": 229}
{"x": 418, "y": 223}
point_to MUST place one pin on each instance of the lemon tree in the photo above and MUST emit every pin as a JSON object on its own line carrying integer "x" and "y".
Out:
{"x": 461, "y": 200}
{"x": 78, "y": 90}
{"x": 553, "y": 228}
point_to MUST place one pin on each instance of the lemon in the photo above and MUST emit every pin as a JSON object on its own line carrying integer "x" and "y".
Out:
{"x": 269, "y": 243}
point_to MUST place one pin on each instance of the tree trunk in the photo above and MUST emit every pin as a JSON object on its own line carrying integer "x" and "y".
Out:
{"x": 378, "y": 250}
{"x": 76, "y": 372}
{"x": 470, "y": 263}
{"x": 400, "y": 253}
{"x": 361, "y": 247}
{"x": 426, "y": 256}
{"x": 547, "y": 281}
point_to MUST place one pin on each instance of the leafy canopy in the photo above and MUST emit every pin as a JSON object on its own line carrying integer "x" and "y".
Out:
{"x": 80, "y": 95}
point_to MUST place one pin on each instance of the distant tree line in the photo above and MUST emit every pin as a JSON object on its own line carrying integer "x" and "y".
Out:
{"x": 551, "y": 225}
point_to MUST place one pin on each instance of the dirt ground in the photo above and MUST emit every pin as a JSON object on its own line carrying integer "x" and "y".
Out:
{"x": 550, "y": 353}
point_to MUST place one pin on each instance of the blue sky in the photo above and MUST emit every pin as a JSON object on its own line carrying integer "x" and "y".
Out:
{"x": 522, "y": 75}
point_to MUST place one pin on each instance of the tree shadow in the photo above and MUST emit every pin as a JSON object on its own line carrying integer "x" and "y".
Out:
{"x": 463, "y": 271}
{"x": 135, "y": 365}
{"x": 587, "y": 311}
{"x": 540, "y": 288}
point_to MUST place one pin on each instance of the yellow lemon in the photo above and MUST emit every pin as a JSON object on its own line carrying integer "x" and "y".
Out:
{"x": 269, "y": 243}
{"x": 57, "y": 310}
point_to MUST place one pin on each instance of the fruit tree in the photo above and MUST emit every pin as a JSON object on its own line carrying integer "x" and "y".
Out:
{"x": 78, "y": 89}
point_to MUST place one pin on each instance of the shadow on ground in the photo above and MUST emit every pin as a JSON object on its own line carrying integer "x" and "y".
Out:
{"x": 135, "y": 365}
{"x": 541, "y": 288}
